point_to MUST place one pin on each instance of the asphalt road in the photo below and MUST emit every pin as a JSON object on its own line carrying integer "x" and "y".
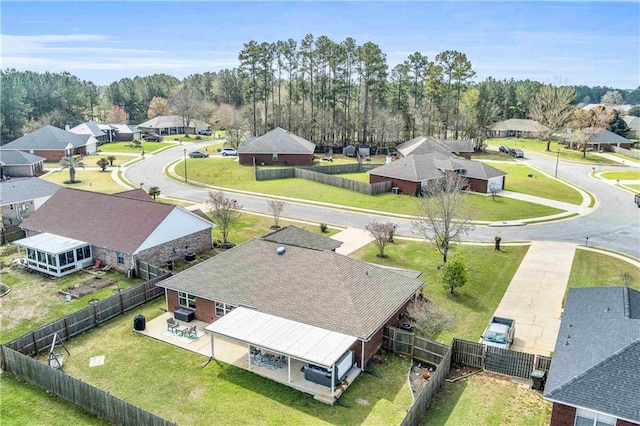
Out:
{"x": 615, "y": 225}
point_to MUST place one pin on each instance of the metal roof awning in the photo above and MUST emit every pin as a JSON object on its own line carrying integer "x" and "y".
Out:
{"x": 301, "y": 341}
{"x": 50, "y": 243}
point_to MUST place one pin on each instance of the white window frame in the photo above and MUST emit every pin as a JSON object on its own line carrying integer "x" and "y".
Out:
{"x": 224, "y": 309}
{"x": 274, "y": 156}
{"x": 186, "y": 300}
{"x": 596, "y": 418}
{"x": 120, "y": 258}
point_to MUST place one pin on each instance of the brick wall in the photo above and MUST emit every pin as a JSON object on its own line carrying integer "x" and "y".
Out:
{"x": 625, "y": 423}
{"x": 283, "y": 159}
{"x": 49, "y": 154}
{"x": 562, "y": 415}
{"x": 405, "y": 186}
{"x": 477, "y": 185}
{"x": 110, "y": 257}
{"x": 158, "y": 255}
{"x": 205, "y": 309}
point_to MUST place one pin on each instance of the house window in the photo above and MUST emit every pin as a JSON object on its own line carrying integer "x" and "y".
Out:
{"x": 591, "y": 418}
{"x": 186, "y": 300}
{"x": 223, "y": 309}
{"x": 274, "y": 157}
{"x": 83, "y": 253}
{"x": 120, "y": 258}
{"x": 31, "y": 254}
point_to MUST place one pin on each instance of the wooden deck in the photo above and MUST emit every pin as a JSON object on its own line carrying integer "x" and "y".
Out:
{"x": 237, "y": 354}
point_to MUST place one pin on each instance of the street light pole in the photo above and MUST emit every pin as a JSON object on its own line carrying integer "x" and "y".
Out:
{"x": 185, "y": 165}
{"x": 557, "y": 160}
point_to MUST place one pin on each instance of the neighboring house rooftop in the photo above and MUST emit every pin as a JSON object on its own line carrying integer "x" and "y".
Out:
{"x": 48, "y": 137}
{"x": 428, "y": 145}
{"x": 596, "y": 362}
{"x": 18, "y": 158}
{"x": 168, "y": 121}
{"x": 294, "y": 236}
{"x": 633, "y": 122}
{"x": 124, "y": 128}
{"x": 519, "y": 125}
{"x": 278, "y": 141}
{"x": 597, "y": 135}
{"x": 25, "y": 189}
{"x": 416, "y": 168}
{"x": 120, "y": 222}
{"x": 319, "y": 288}
{"x": 88, "y": 128}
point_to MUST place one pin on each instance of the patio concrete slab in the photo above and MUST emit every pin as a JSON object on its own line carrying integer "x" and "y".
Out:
{"x": 535, "y": 294}
{"x": 352, "y": 239}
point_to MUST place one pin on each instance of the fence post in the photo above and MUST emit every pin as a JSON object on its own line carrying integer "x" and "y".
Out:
{"x": 3, "y": 364}
{"x": 66, "y": 327}
{"x": 35, "y": 342}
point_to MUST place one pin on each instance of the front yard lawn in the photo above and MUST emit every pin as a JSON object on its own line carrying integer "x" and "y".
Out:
{"x": 518, "y": 180}
{"x": 627, "y": 175}
{"x": 253, "y": 226}
{"x": 89, "y": 180}
{"x": 148, "y": 147}
{"x": 171, "y": 382}
{"x": 590, "y": 269}
{"x": 490, "y": 273}
{"x": 229, "y": 174}
{"x": 539, "y": 146}
{"x": 488, "y": 399}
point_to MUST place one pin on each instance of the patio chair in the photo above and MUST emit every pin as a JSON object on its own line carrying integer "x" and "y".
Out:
{"x": 190, "y": 332}
{"x": 172, "y": 325}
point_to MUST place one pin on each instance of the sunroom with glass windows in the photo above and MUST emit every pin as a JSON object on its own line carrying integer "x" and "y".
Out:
{"x": 55, "y": 255}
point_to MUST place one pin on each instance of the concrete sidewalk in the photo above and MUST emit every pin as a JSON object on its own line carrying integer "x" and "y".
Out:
{"x": 534, "y": 297}
{"x": 352, "y": 239}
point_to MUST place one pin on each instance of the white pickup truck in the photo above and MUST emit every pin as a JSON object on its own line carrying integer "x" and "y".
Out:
{"x": 499, "y": 333}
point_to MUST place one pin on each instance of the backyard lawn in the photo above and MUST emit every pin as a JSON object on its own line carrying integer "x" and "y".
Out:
{"x": 627, "y": 175}
{"x": 490, "y": 273}
{"x": 229, "y": 174}
{"x": 591, "y": 269}
{"x": 172, "y": 382}
{"x": 539, "y": 146}
{"x": 488, "y": 400}
{"x": 518, "y": 180}
{"x": 89, "y": 180}
{"x": 148, "y": 147}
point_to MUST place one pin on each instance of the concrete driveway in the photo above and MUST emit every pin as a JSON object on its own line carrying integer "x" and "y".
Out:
{"x": 534, "y": 297}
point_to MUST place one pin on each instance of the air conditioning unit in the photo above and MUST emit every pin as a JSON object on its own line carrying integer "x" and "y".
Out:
{"x": 395, "y": 190}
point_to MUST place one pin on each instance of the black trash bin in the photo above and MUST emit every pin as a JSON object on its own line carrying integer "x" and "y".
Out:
{"x": 539, "y": 377}
{"x": 139, "y": 322}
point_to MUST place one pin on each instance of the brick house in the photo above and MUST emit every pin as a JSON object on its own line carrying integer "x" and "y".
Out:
{"x": 601, "y": 139}
{"x": 594, "y": 377}
{"x": 20, "y": 164}
{"x": 277, "y": 146}
{"x": 122, "y": 228}
{"x": 171, "y": 125}
{"x": 318, "y": 288}
{"x": 416, "y": 172}
{"x": 53, "y": 143}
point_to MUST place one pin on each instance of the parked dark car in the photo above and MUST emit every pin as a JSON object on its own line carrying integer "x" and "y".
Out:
{"x": 198, "y": 154}
{"x": 504, "y": 148}
{"x": 515, "y": 152}
{"x": 204, "y": 132}
{"x": 636, "y": 199}
{"x": 152, "y": 137}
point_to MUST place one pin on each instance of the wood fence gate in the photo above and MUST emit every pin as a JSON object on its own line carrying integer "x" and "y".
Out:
{"x": 511, "y": 363}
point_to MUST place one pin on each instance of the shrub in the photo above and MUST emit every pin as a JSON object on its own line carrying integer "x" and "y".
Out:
{"x": 323, "y": 227}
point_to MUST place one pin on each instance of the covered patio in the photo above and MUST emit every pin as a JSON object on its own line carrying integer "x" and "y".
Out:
{"x": 55, "y": 255}
{"x": 310, "y": 359}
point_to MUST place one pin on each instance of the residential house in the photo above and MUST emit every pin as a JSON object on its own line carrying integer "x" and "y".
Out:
{"x": 413, "y": 174}
{"x": 102, "y": 132}
{"x": 634, "y": 126}
{"x": 20, "y": 164}
{"x": 53, "y": 143}
{"x": 311, "y": 306}
{"x": 19, "y": 198}
{"x": 594, "y": 377}
{"x": 518, "y": 127}
{"x": 120, "y": 228}
{"x": 277, "y": 146}
{"x": 428, "y": 145}
{"x": 172, "y": 124}
{"x": 601, "y": 139}
{"x": 124, "y": 132}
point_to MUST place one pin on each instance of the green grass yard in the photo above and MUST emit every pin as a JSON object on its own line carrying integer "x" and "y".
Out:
{"x": 490, "y": 273}
{"x": 591, "y": 269}
{"x": 633, "y": 187}
{"x": 89, "y": 180}
{"x": 626, "y": 175}
{"x": 493, "y": 156}
{"x": 148, "y": 147}
{"x": 229, "y": 174}
{"x": 518, "y": 180}
{"x": 540, "y": 147}
{"x": 488, "y": 400}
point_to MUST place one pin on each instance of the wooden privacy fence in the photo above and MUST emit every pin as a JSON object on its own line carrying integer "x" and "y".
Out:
{"x": 340, "y": 182}
{"x": 498, "y": 360}
{"x": 85, "y": 319}
{"x": 627, "y": 152}
{"x": 424, "y": 350}
{"x": 94, "y": 400}
{"x": 148, "y": 271}
{"x": 289, "y": 172}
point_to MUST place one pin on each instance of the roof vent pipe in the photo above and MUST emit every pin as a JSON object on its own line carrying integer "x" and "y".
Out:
{"x": 281, "y": 250}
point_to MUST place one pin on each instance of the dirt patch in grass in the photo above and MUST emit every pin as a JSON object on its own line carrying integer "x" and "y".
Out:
{"x": 420, "y": 374}
{"x": 459, "y": 371}
{"x": 89, "y": 286}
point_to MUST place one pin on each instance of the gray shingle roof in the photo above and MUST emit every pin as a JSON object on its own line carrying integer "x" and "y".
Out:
{"x": 125, "y": 128}
{"x": 278, "y": 141}
{"x": 319, "y": 288}
{"x": 633, "y": 122}
{"x": 18, "y": 158}
{"x": 88, "y": 128}
{"x": 294, "y": 236}
{"x": 20, "y": 190}
{"x": 599, "y": 368}
{"x": 519, "y": 125}
{"x": 48, "y": 137}
{"x": 416, "y": 168}
{"x": 168, "y": 121}
{"x": 427, "y": 145}
{"x": 603, "y": 136}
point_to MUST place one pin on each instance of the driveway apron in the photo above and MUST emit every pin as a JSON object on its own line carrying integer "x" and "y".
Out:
{"x": 534, "y": 297}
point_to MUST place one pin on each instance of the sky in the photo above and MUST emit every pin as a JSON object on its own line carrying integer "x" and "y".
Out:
{"x": 571, "y": 42}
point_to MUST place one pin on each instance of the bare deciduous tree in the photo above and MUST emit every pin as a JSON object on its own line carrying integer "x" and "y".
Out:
{"x": 429, "y": 320}
{"x": 187, "y": 104}
{"x": 275, "y": 207}
{"x": 552, "y": 107}
{"x": 380, "y": 233}
{"x": 225, "y": 213}
{"x": 444, "y": 213}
